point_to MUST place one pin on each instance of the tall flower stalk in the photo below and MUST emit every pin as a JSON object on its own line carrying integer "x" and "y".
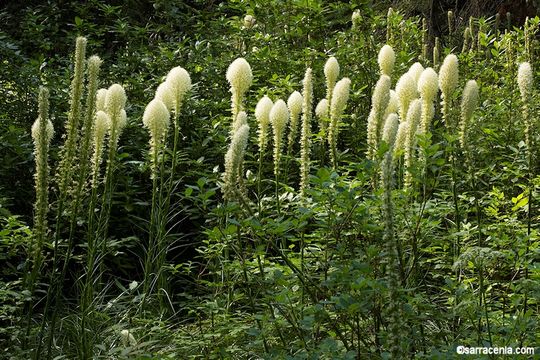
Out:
{"x": 68, "y": 152}
{"x": 239, "y": 76}
{"x": 115, "y": 101}
{"x": 396, "y": 344}
{"x": 294, "y": 103}
{"x": 379, "y": 103}
{"x": 413, "y": 119}
{"x": 65, "y": 178}
{"x": 262, "y": 114}
{"x": 526, "y": 85}
{"x": 233, "y": 158}
{"x": 448, "y": 80}
{"x": 331, "y": 74}
{"x": 305, "y": 145}
{"x": 85, "y": 171}
{"x": 339, "y": 102}
{"x": 469, "y": 103}
{"x": 156, "y": 120}
{"x": 42, "y": 133}
{"x": 279, "y": 117}
{"x": 428, "y": 87}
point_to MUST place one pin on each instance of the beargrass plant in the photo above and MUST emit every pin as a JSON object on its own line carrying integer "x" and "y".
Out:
{"x": 115, "y": 102}
{"x": 393, "y": 104}
{"x": 65, "y": 178}
{"x": 425, "y": 40}
{"x": 416, "y": 70}
{"x": 321, "y": 112}
{"x": 81, "y": 184}
{"x": 156, "y": 119}
{"x": 428, "y": 87}
{"x": 406, "y": 92}
{"x": 305, "y": 144}
{"x": 68, "y": 151}
{"x": 42, "y": 134}
{"x": 294, "y": 103}
{"x": 448, "y": 80}
{"x": 101, "y": 127}
{"x": 340, "y": 97}
{"x": 379, "y": 103}
{"x": 466, "y": 40}
{"x": 469, "y": 102}
{"x": 172, "y": 93}
{"x": 472, "y": 28}
{"x": 450, "y": 18}
{"x": 436, "y": 53}
{"x": 240, "y": 77}
{"x": 262, "y": 114}
{"x": 525, "y": 81}
{"x": 394, "y": 312}
{"x": 386, "y": 60}
{"x": 233, "y": 159}
{"x": 279, "y": 117}
{"x": 413, "y": 119}
{"x": 389, "y": 26}
{"x": 331, "y": 74}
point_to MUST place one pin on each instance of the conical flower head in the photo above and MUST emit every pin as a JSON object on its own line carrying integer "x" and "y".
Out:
{"x": 416, "y": 70}
{"x": 156, "y": 119}
{"x": 449, "y": 75}
{"x": 115, "y": 99}
{"x": 294, "y": 103}
{"x": 525, "y": 80}
{"x": 406, "y": 92}
{"x": 381, "y": 94}
{"x": 122, "y": 120}
{"x": 428, "y": 85}
{"x": 390, "y": 129}
{"x": 165, "y": 93}
{"x": 469, "y": 100}
{"x": 331, "y": 70}
{"x": 262, "y": 110}
{"x": 239, "y": 75}
{"x": 340, "y": 97}
{"x": 233, "y": 163}
{"x": 179, "y": 82}
{"x": 321, "y": 110}
{"x": 386, "y": 60}
{"x": 262, "y": 114}
{"x": 401, "y": 137}
{"x": 279, "y": 116}
{"x": 413, "y": 116}
{"x": 101, "y": 95}
{"x": 102, "y": 123}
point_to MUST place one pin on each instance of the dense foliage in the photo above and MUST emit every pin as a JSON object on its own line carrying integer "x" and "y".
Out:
{"x": 190, "y": 237}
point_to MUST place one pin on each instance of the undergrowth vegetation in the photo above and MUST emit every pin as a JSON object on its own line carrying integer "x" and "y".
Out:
{"x": 325, "y": 182}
